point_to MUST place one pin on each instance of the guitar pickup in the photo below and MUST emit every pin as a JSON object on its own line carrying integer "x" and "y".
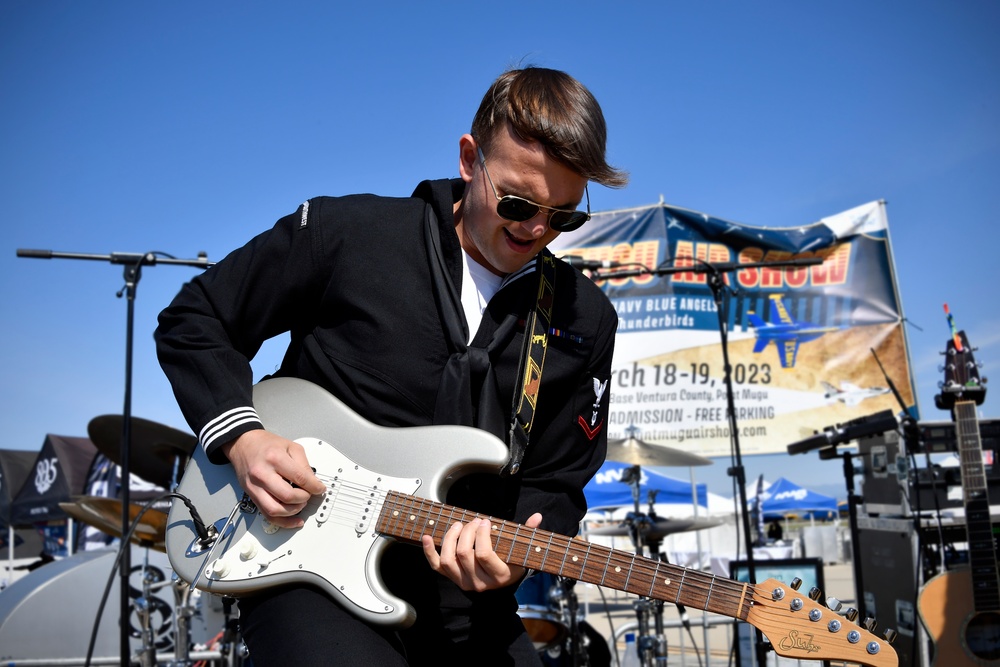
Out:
{"x": 327, "y": 502}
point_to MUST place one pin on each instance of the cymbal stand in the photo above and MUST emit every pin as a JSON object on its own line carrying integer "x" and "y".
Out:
{"x": 147, "y": 655}
{"x": 652, "y": 646}
{"x": 182, "y": 621}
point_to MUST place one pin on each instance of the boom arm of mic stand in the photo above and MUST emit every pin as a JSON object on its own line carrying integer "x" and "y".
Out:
{"x": 707, "y": 267}
{"x": 129, "y": 258}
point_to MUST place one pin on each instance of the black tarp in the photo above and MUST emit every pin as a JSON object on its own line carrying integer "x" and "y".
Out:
{"x": 15, "y": 465}
{"x": 59, "y": 472}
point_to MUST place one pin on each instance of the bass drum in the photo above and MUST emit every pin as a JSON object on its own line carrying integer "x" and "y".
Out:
{"x": 50, "y": 613}
{"x": 543, "y": 624}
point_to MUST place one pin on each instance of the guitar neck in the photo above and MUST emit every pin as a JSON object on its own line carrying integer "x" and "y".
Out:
{"x": 407, "y": 518}
{"x": 982, "y": 552}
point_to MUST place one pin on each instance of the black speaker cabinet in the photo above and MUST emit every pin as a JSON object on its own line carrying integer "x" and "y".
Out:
{"x": 889, "y": 574}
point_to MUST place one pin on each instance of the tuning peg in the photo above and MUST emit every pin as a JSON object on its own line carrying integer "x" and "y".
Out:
{"x": 890, "y": 635}
{"x": 795, "y": 583}
{"x": 815, "y": 593}
{"x": 834, "y": 604}
{"x": 851, "y": 614}
{"x": 870, "y": 624}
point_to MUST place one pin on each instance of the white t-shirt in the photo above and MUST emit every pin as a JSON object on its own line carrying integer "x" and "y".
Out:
{"x": 479, "y": 284}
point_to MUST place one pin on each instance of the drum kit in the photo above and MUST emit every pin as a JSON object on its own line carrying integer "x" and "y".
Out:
{"x": 57, "y": 613}
{"x": 548, "y": 605}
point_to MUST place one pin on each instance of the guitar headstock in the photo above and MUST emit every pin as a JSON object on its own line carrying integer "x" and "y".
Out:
{"x": 961, "y": 375}
{"x": 801, "y": 628}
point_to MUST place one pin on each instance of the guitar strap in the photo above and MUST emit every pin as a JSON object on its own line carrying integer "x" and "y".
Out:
{"x": 536, "y": 340}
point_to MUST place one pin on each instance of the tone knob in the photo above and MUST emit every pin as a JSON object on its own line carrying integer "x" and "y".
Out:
{"x": 248, "y": 550}
{"x": 219, "y": 569}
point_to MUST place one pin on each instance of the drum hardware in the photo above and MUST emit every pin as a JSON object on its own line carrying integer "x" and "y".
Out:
{"x": 579, "y": 647}
{"x": 182, "y": 621}
{"x": 556, "y": 627}
{"x": 147, "y": 530}
{"x": 647, "y": 531}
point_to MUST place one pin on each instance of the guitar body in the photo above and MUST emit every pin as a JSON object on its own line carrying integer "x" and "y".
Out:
{"x": 338, "y": 548}
{"x": 962, "y": 637}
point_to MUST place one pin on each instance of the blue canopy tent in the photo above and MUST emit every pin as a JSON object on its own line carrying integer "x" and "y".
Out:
{"x": 785, "y": 497}
{"x": 607, "y": 490}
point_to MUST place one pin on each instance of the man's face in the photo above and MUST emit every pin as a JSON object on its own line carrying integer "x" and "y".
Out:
{"x": 516, "y": 168}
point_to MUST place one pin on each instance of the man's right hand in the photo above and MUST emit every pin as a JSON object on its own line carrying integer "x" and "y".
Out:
{"x": 275, "y": 473}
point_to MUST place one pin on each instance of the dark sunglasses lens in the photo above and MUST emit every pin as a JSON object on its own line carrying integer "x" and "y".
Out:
{"x": 564, "y": 221}
{"x": 516, "y": 209}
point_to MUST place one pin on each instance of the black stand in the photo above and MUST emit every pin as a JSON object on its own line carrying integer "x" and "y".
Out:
{"x": 133, "y": 263}
{"x": 714, "y": 274}
{"x": 651, "y": 645}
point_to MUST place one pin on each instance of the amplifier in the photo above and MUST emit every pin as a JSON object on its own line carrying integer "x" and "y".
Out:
{"x": 889, "y": 573}
{"x": 891, "y": 486}
{"x": 939, "y": 436}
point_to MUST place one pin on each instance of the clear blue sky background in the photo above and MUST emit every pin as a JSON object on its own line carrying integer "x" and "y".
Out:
{"x": 190, "y": 126}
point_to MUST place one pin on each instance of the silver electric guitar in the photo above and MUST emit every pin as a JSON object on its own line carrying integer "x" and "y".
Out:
{"x": 386, "y": 484}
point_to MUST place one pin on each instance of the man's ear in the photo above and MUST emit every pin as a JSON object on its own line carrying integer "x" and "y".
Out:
{"x": 468, "y": 156}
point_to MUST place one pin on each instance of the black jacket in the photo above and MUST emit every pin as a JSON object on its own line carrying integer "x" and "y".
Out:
{"x": 351, "y": 279}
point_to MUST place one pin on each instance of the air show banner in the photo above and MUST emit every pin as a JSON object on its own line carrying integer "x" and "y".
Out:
{"x": 802, "y": 340}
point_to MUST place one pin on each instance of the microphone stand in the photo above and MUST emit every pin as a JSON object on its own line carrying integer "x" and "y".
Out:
{"x": 714, "y": 274}
{"x": 133, "y": 263}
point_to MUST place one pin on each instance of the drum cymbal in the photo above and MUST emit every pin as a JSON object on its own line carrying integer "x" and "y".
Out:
{"x": 638, "y": 452}
{"x": 105, "y": 514}
{"x": 155, "y": 447}
{"x": 661, "y": 527}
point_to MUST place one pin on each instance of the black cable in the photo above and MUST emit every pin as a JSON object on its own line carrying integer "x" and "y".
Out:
{"x": 694, "y": 645}
{"x": 611, "y": 624}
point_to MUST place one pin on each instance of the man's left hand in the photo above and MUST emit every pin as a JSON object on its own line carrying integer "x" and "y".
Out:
{"x": 467, "y": 556}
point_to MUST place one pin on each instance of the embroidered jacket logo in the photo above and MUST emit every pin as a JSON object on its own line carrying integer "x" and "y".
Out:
{"x": 591, "y": 429}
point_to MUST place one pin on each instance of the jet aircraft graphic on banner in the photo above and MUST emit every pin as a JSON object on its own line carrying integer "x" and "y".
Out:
{"x": 784, "y": 331}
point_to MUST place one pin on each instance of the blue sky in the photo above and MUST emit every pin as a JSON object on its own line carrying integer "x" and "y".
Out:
{"x": 184, "y": 127}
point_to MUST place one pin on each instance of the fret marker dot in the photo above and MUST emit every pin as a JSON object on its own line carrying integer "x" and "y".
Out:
{"x": 576, "y": 558}
{"x": 537, "y": 549}
{"x": 666, "y": 582}
{"x": 413, "y": 517}
{"x": 395, "y": 513}
{"x": 431, "y": 522}
{"x": 618, "y": 569}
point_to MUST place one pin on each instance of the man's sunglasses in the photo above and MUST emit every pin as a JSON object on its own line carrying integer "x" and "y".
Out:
{"x": 519, "y": 209}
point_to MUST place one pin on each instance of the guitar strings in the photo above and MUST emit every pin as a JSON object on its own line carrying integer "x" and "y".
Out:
{"x": 353, "y": 503}
{"x": 350, "y": 500}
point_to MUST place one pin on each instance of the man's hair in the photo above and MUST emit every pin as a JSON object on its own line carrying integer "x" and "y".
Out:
{"x": 554, "y": 109}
